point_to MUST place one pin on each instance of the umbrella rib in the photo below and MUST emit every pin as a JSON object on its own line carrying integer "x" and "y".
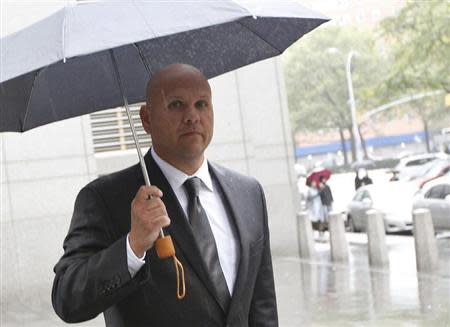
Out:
{"x": 63, "y": 36}
{"x": 259, "y": 36}
{"x": 142, "y": 58}
{"x": 29, "y": 98}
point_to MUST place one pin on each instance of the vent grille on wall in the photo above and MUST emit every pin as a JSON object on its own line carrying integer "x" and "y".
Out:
{"x": 111, "y": 130}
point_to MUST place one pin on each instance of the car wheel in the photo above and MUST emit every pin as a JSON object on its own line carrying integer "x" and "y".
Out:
{"x": 351, "y": 225}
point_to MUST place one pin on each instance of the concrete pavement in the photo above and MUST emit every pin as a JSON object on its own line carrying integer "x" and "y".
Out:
{"x": 321, "y": 293}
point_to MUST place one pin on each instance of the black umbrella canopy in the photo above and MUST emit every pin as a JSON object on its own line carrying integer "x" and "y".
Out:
{"x": 87, "y": 83}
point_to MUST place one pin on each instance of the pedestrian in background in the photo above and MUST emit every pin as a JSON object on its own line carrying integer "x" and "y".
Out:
{"x": 326, "y": 197}
{"x": 315, "y": 207}
{"x": 362, "y": 178}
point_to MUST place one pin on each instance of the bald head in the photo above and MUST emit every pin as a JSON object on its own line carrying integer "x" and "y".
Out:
{"x": 172, "y": 74}
{"x": 179, "y": 115}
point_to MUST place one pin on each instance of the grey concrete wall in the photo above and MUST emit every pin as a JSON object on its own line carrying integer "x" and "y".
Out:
{"x": 43, "y": 170}
{"x": 252, "y": 135}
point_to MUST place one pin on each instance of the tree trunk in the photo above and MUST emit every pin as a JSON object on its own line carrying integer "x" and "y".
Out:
{"x": 427, "y": 136}
{"x": 343, "y": 147}
{"x": 363, "y": 143}
{"x": 294, "y": 145}
{"x": 352, "y": 137}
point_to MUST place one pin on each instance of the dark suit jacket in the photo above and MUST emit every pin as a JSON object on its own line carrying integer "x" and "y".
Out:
{"x": 92, "y": 276}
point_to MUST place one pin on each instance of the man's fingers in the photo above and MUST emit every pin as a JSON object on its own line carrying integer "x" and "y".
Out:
{"x": 155, "y": 208}
{"x": 161, "y": 221}
{"x": 147, "y": 192}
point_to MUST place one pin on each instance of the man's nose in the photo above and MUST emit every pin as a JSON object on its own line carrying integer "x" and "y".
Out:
{"x": 191, "y": 115}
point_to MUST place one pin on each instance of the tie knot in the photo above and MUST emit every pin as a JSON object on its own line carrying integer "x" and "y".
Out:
{"x": 192, "y": 186}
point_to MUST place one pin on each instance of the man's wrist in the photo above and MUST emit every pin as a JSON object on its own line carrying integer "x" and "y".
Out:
{"x": 137, "y": 251}
{"x": 134, "y": 262}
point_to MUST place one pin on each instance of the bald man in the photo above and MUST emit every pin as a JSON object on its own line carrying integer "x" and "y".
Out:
{"x": 217, "y": 219}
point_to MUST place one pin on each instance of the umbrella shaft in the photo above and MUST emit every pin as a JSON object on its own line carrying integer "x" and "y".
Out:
{"x": 133, "y": 130}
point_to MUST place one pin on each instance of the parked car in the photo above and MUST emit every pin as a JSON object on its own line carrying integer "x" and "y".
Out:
{"x": 435, "y": 196}
{"x": 392, "y": 199}
{"x": 411, "y": 167}
{"x": 435, "y": 169}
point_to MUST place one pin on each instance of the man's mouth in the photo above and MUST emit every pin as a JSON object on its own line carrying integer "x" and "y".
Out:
{"x": 190, "y": 133}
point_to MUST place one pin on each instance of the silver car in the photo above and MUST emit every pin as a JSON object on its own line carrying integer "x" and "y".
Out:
{"x": 412, "y": 167}
{"x": 392, "y": 199}
{"x": 435, "y": 196}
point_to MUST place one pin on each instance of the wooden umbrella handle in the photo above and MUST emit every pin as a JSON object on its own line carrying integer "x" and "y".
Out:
{"x": 164, "y": 247}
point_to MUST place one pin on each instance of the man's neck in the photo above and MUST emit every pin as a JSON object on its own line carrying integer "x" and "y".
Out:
{"x": 187, "y": 166}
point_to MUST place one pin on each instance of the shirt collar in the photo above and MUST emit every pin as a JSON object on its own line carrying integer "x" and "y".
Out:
{"x": 176, "y": 177}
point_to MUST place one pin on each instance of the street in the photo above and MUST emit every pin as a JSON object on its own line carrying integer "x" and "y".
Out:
{"x": 320, "y": 293}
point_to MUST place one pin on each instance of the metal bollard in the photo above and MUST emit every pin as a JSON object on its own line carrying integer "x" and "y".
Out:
{"x": 305, "y": 236}
{"x": 425, "y": 241}
{"x": 338, "y": 241}
{"x": 376, "y": 235}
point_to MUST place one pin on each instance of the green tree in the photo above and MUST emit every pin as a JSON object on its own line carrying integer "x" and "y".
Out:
{"x": 316, "y": 79}
{"x": 420, "y": 47}
{"x": 420, "y": 44}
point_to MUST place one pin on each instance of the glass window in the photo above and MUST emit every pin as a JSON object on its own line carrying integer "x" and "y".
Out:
{"x": 446, "y": 191}
{"x": 111, "y": 130}
{"x": 419, "y": 162}
{"x": 366, "y": 195}
{"x": 358, "y": 196}
{"x": 436, "y": 192}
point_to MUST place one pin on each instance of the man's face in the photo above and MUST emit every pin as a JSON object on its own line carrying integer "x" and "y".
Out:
{"x": 179, "y": 116}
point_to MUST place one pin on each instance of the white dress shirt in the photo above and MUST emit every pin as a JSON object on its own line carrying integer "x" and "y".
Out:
{"x": 221, "y": 226}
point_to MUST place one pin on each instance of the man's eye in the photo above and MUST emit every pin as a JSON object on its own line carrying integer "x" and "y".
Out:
{"x": 201, "y": 104}
{"x": 175, "y": 104}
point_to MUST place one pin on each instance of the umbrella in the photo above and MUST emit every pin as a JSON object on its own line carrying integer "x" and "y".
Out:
{"x": 95, "y": 55}
{"x": 65, "y": 65}
{"x": 317, "y": 174}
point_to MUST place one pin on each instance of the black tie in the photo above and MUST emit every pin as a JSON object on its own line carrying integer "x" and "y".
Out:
{"x": 205, "y": 240}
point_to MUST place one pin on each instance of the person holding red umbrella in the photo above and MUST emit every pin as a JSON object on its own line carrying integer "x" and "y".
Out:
{"x": 326, "y": 196}
{"x": 314, "y": 206}
{"x": 319, "y": 198}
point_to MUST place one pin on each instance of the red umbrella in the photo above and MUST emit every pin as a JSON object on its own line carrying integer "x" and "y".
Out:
{"x": 317, "y": 174}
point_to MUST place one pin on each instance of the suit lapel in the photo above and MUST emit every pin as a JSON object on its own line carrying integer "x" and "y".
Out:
{"x": 234, "y": 202}
{"x": 179, "y": 229}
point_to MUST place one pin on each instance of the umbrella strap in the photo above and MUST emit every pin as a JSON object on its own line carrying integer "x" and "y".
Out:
{"x": 165, "y": 249}
{"x": 181, "y": 284}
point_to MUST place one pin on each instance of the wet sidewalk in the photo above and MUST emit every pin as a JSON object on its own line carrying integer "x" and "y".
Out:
{"x": 320, "y": 293}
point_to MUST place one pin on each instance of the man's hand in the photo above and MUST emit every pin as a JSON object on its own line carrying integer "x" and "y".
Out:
{"x": 148, "y": 216}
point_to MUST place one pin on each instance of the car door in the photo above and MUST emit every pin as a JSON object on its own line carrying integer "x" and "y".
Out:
{"x": 435, "y": 201}
{"x": 443, "y": 216}
{"x": 354, "y": 207}
{"x": 362, "y": 203}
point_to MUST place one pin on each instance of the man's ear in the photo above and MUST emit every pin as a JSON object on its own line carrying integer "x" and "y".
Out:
{"x": 145, "y": 118}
